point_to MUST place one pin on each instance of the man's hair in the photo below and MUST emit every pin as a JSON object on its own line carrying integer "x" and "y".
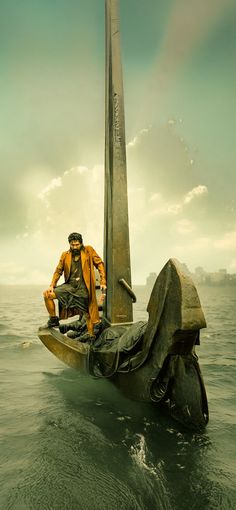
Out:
{"x": 75, "y": 237}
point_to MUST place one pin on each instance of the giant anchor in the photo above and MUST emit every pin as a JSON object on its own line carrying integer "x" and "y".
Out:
{"x": 153, "y": 361}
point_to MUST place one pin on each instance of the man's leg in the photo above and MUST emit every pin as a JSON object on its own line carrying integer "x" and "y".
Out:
{"x": 51, "y": 308}
{"x": 49, "y": 303}
{"x": 90, "y": 326}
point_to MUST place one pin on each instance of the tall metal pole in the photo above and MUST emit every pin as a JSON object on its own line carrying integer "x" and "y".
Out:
{"x": 118, "y": 308}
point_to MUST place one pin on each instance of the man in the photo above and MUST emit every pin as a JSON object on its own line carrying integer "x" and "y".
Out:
{"x": 78, "y": 294}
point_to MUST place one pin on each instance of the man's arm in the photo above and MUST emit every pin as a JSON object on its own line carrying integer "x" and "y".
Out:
{"x": 98, "y": 263}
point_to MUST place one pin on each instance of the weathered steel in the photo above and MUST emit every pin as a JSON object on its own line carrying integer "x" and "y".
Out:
{"x": 69, "y": 351}
{"x": 118, "y": 308}
{"x": 154, "y": 361}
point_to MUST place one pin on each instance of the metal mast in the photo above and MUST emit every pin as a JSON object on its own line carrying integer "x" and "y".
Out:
{"x": 118, "y": 308}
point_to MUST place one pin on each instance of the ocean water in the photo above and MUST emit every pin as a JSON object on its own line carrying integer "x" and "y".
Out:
{"x": 70, "y": 441}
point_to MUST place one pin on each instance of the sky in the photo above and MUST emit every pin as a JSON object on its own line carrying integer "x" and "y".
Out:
{"x": 179, "y": 89}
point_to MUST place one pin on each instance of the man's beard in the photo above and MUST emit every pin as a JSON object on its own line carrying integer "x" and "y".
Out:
{"x": 76, "y": 251}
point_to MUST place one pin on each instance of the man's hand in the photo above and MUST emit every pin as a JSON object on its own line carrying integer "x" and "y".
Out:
{"x": 103, "y": 292}
{"x": 48, "y": 293}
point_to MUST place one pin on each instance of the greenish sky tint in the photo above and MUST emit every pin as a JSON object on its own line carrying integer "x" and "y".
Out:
{"x": 179, "y": 82}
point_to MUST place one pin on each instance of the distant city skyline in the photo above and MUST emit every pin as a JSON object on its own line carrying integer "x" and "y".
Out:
{"x": 201, "y": 276}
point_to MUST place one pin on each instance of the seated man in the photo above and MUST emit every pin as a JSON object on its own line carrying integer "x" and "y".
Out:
{"x": 78, "y": 294}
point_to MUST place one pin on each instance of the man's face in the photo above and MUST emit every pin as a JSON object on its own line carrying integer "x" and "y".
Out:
{"x": 75, "y": 246}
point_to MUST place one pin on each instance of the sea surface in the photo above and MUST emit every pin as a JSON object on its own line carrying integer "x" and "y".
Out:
{"x": 69, "y": 441}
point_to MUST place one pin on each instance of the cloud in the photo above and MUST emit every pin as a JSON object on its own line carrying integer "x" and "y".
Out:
{"x": 73, "y": 201}
{"x": 227, "y": 242}
{"x": 164, "y": 213}
{"x": 163, "y": 207}
{"x": 137, "y": 138}
{"x": 62, "y": 206}
{"x": 159, "y": 161}
{"x": 56, "y": 182}
{"x": 196, "y": 244}
{"x": 154, "y": 197}
{"x": 194, "y": 193}
{"x": 207, "y": 251}
{"x": 185, "y": 226}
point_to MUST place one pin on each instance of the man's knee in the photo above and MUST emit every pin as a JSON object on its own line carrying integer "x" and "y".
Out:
{"x": 49, "y": 295}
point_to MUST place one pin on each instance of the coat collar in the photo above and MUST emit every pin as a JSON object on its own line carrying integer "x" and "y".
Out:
{"x": 84, "y": 257}
{"x": 68, "y": 261}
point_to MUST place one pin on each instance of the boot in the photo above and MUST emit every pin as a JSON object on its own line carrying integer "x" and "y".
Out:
{"x": 53, "y": 322}
{"x": 73, "y": 334}
{"x": 86, "y": 338}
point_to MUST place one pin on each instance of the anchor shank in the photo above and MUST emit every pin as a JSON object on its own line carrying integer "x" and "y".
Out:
{"x": 118, "y": 308}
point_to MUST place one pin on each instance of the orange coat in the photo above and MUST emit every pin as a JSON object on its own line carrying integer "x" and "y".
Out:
{"x": 89, "y": 259}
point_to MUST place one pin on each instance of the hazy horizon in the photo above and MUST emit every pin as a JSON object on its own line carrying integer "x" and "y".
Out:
{"x": 135, "y": 284}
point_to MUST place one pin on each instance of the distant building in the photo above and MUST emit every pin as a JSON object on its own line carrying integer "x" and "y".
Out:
{"x": 199, "y": 275}
{"x": 185, "y": 268}
{"x": 215, "y": 278}
{"x": 151, "y": 280}
{"x": 223, "y": 271}
{"x": 200, "y": 271}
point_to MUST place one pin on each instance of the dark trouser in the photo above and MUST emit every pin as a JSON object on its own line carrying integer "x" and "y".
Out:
{"x": 73, "y": 302}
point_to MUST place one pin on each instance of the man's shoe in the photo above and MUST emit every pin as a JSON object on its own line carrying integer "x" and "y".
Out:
{"x": 53, "y": 322}
{"x": 73, "y": 334}
{"x": 86, "y": 338}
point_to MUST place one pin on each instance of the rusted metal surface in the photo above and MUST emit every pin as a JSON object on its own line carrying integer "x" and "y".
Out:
{"x": 69, "y": 351}
{"x": 118, "y": 308}
{"x": 154, "y": 361}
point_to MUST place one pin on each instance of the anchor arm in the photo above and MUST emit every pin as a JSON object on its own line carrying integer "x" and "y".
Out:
{"x": 130, "y": 291}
